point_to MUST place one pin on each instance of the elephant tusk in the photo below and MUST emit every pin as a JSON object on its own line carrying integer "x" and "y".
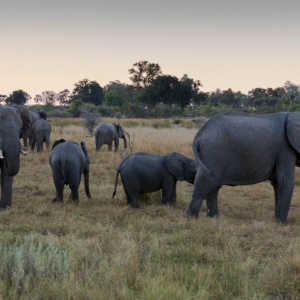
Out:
{"x": 1, "y": 154}
{"x": 23, "y": 152}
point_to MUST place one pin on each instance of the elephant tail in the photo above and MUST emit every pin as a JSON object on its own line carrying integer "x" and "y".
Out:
{"x": 114, "y": 193}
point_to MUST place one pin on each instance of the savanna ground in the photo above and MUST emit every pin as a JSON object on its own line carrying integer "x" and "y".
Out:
{"x": 103, "y": 249}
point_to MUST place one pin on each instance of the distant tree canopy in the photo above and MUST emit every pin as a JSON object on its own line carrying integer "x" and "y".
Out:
{"x": 88, "y": 92}
{"x": 18, "y": 97}
{"x": 154, "y": 94}
{"x": 144, "y": 73}
{"x": 170, "y": 90}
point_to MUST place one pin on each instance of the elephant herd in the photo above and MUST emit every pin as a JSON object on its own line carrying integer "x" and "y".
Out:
{"x": 229, "y": 149}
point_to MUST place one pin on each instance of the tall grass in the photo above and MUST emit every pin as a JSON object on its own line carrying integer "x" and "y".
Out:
{"x": 103, "y": 249}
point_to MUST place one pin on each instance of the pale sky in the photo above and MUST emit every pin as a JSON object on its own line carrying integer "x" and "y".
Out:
{"x": 237, "y": 44}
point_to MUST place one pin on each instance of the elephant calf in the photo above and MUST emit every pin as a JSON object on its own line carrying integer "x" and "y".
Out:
{"x": 145, "y": 173}
{"x": 68, "y": 161}
{"x": 106, "y": 134}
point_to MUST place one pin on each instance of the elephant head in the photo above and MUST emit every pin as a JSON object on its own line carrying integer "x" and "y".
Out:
{"x": 182, "y": 167}
{"x": 86, "y": 171}
{"x": 12, "y": 120}
{"x": 122, "y": 134}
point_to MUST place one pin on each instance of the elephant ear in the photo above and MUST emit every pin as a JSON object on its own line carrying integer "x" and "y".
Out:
{"x": 57, "y": 142}
{"x": 293, "y": 130}
{"x": 175, "y": 165}
{"x": 24, "y": 114}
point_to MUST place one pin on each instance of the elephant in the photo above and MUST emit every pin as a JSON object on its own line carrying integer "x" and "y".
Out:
{"x": 243, "y": 149}
{"x": 11, "y": 123}
{"x": 145, "y": 173}
{"x": 34, "y": 115}
{"x": 106, "y": 133}
{"x": 68, "y": 161}
{"x": 40, "y": 130}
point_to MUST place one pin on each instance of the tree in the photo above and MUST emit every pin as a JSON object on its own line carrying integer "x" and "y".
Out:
{"x": 165, "y": 87}
{"x": 186, "y": 92}
{"x": 49, "y": 97}
{"x": 90, "y": 117}
{"x": 88, "y": 92}
{"x": 113, "y": 98}
{"x": 144, "y": 73}
{"x": 38, "y": 98}
{"x": 18, "y": 97}
{"x": 63, "y": 97}
{"x": 292, "y": 91}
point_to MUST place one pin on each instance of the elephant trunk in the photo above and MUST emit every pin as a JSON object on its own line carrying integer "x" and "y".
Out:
{"x": 87, "y": 184}
{"x": 11, "y": 153}
{"x": 125, "y": 142}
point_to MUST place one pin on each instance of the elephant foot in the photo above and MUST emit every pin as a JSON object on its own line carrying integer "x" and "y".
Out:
{"x": 134, "y": 205}
{"x": 5, "y": 207}
{"x": 56, "y": 201}
{"x": 189, "y": 214}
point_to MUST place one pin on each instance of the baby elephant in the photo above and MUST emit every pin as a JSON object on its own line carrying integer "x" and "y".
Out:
{"x": 145, "y": 173}
{"x": 68, "y": 161}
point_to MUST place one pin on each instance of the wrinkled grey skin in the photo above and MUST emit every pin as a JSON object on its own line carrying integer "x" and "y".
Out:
{"x": 242, "y": 149}
{"x": 145, "y": 173}
{"x": 68, "y": 162}
{"x": 40, "y": 130}
{"x": 106, "y": 134}
{"x": 11, "y": 123}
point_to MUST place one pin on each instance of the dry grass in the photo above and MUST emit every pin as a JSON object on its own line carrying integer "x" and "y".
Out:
{"x": 102, "y": 249}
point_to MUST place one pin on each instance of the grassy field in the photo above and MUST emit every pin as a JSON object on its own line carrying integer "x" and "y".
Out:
{"x": 103, "y": 249}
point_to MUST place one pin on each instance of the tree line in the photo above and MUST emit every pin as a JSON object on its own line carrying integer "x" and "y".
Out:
{"x": 153, "y": 94}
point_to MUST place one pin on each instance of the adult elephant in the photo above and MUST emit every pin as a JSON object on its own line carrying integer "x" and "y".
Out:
{"x": 68, "y": 162}
{"x": 11, "y": 123}
{"x": 242, "y": 149}
{"x": 145, "y": 173}
{"x": 40, "y": 130}
{"x": 34, "y": 116}
{"x": 106, "y": 134}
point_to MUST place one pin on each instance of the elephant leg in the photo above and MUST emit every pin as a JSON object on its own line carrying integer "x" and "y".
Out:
{"x": 204, "y": 185}
{"x": 98, "y": 146}
{"x": 169, "y": 194}
{"x": 110, "y": 147}
{"x": 284, "y": 196}
{"x": 6, "y": 191}
{"x": 74, "y": 196}
{"x": 134, "y": 203}
{"x": 74, "y": 185}
{"x": 274, "y": 184}
{"x": 130, "y": 199}
{"x": 32, "y": 144}
{"x": 47, "y": 143}
{"x": 116, "y": 145}
{"x": 212, "y": 203}
{"x": 59, "y": 186}
{"x": 25, "y": 142}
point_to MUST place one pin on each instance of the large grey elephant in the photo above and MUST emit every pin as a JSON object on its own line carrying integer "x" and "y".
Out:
{"x": 106, "y": 134}
{"x": 68, "y": 162}
{"x": 40, "y": 130}
{"x": 11, "y": 122}
{"x": 145, "y": 173}
{"x": 243, "y": 149}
